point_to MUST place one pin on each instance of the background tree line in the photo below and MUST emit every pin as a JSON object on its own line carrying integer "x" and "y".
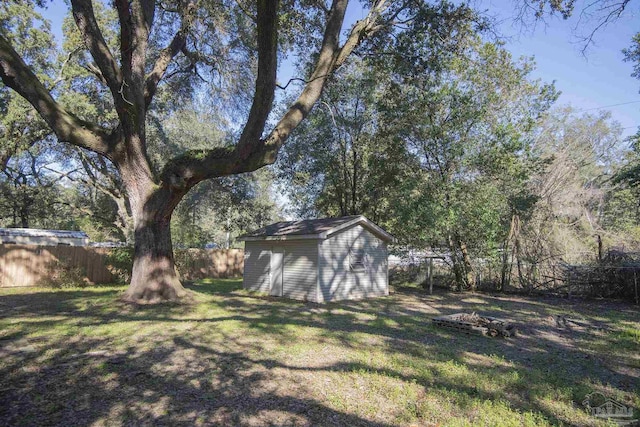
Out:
{"x": 449, "y": 144}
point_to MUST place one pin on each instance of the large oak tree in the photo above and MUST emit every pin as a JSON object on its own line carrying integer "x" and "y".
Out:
{"x": 132, "y": 73}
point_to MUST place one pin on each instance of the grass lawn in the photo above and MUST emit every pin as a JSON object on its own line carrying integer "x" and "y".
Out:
{"x": 80, "y": 357}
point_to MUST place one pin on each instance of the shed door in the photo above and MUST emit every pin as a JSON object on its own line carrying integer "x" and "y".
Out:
{"x": 277, "y": 257}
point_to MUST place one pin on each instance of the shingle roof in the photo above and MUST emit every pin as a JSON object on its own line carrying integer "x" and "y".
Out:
{"x": 35, "y": 232}
{"x": 311, "y": 227}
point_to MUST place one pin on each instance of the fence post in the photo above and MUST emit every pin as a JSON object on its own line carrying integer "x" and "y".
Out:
{"x": 635, "y": 284}
{"x": 431, "y": 276}
{"x": 599, "y": 249}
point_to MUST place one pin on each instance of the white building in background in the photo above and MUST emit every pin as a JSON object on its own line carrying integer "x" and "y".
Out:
{"x": 34, "y": 236}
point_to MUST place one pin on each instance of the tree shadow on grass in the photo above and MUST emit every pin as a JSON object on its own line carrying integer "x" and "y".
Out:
{"x": 173, "y": 379}
{"x": 176, "y": 382}
{"x": 85, "y": 382}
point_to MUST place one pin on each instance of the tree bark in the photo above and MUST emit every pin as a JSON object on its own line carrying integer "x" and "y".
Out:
{"x": 462, "y": 267}
{"x": 458, "y": 270}
{"x": 505, "y": 277}
{"x": 124, "y": 221}
{"x": 468, "y": 267}
{"x": 154, "y": 277}
{"x": 524, "y": 282}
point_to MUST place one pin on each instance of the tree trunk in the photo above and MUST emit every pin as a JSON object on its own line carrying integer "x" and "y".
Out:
{"x": 505, "y": 276}
{"x": 24, "y": 216}
{"x": 153, "y": 278}
{"x": 462, "y": 266}
{"x": 468, "y": 267}
{"x": 132, "y": 76}
{"x": 524, "y": 281}
{"x": 457, "y": 271}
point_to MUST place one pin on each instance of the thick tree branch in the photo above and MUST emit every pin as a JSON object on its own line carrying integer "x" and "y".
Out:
{"x": 331, "y": 57}
{"x": 142, "y": 14}
{"x": 126, "y": 48}
{"x": 167, "y": 54}
{"x": 18, "y": 76}
{"x": 94, "y": 41}
{"x": 136, "y": 18}
{"x": 266, "y": 80}
{"x": 252, "y": 153}
{"x": 161, "y": 65}
{"x": 312, "y": 90}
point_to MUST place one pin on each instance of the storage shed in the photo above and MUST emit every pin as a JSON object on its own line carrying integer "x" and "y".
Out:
{"x": 35, "y": 236}
{"x": 318, "y": 260}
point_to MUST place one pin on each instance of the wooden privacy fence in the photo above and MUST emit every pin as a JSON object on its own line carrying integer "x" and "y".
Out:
{"x": 202, "y": 263}
{"x": 31, "y": 265}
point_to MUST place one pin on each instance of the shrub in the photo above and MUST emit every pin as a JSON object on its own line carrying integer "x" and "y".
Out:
{"x": 61, "y": 274}
{"x": 119, "y": 261}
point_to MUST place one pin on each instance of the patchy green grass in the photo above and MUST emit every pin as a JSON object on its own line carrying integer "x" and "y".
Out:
{"x": 80, "y": 357}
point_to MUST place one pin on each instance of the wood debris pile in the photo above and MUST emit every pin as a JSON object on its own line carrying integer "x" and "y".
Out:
{"x": 474, "y": 323}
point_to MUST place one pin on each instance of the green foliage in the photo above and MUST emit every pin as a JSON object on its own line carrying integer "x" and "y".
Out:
{"x": 96, "y": 197}
{"x": 432, "y": 132}
{"x": 621, "y": 211}
{"x": 632, "y": 54}
{"x": 433, "y": 138}
{"x": 217, "y": 211}
{"x": 119, "y": 261}
{"x": 469, "y": 122}
{"x": 30, "y": 34}
{"x": 31, "y": 195}
{"x": 337, "y": 163}
{"x": 61, "y": 274}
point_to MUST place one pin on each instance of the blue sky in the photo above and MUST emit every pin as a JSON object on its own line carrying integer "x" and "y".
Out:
{"x": 588, "y": 82}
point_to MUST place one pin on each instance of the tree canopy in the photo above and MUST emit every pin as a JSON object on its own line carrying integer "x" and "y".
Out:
{"x": 121, "y": 64}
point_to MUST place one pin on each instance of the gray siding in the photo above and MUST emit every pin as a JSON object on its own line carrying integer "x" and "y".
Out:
{"x": 257, "y": 258}
{"x": 337, "y": 279}
{"x": 300, "y": 268}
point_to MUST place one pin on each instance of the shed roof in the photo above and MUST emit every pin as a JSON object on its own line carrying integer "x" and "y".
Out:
{"x": 313, "y": 229}
{"x": 36, "y": 232}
